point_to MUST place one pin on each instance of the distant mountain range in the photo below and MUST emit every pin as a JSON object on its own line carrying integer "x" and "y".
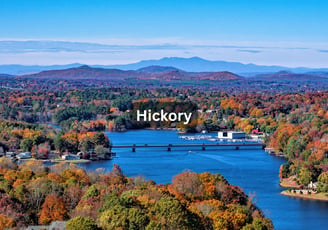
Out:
{"x": 166, "y": 74}
{"x": 194, "y": 64}
{"x": 160, "y": 73}
{"x": 28, "y": 69}
{"x": 284, "y": 75}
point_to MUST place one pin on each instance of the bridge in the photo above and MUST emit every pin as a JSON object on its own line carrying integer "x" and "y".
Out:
{"x": 202, "y": 146}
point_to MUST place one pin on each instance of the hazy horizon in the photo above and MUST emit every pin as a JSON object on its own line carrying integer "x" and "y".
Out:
{"x": 284, "y": 33}
{"x": 158, "y": 59}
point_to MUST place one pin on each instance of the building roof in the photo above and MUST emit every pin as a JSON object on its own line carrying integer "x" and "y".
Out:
{"x": 231, "y": 132}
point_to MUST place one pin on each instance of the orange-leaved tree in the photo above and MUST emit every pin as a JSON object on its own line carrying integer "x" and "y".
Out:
{"x": 53, "y": 209}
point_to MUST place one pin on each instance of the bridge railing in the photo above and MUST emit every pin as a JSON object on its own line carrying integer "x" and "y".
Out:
{"x": 203, "y": 146}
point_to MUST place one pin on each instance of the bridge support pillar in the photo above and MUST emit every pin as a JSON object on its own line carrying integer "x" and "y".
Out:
{"x": 237, "y": 147}
{"x": 169, "y": 147}
{"x": 134, "y": 148}
{"x": 203, "y": 147}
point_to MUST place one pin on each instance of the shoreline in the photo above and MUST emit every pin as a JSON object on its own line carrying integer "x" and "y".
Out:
{"x": 57, "y": 160}
{"x": 57, "y": 127}
{"x": 313, "y": 196}
{"x": 148, "y": 128}
{"x": 289, "y": 183}
{"x": 70, "y": 161}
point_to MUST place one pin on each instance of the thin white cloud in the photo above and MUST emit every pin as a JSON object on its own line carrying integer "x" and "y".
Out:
{"x": 123, "y": 51}
{"x": 250, "y": 51}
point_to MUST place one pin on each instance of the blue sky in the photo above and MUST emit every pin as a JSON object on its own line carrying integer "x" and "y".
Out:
{"x": 290, "y": 33}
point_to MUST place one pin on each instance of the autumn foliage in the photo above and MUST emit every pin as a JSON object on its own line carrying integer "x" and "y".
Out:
{"x": 98, "y": 200}
{"x": 53, "y": 208}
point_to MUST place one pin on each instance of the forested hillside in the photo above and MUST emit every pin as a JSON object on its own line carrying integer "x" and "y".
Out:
{"x": 32, "y": 194}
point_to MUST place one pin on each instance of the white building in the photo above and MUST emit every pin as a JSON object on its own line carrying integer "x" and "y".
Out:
{"x": 25, "y": 155}
{"x": 70, "y": 157}
{"x": 313, "y": 185}
{"x": 10, "y": 154}
{"x": 231, "y": 135}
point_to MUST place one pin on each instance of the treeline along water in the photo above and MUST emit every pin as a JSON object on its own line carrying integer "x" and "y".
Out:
{"x": 252, "y": 169}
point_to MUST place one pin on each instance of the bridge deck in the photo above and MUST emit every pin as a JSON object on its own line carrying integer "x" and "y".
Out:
{"x": 186, "y": 145}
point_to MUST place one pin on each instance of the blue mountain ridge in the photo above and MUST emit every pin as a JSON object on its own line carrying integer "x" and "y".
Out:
{"x": 193, "y": 64}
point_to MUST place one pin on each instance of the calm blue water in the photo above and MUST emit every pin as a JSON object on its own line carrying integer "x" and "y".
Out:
{"x": 253, "y": 170}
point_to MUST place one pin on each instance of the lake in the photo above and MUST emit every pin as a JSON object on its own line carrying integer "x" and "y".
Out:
{"x": 252, "y": 169}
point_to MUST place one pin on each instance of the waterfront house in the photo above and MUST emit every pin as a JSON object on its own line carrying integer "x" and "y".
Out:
{"x": 2, "y": 151}
{"x": 70, "y": 157}
{"x": 56, "y": 225}
{"x": 231, "y": 135}
{"x": 25, "y": 155}
{"x": 256, "y": 132}
{"x": 10, "y": 154}
{"x": 313, "y": 186}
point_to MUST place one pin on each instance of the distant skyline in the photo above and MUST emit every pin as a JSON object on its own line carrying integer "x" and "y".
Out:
{"x": 44, "y": 32}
